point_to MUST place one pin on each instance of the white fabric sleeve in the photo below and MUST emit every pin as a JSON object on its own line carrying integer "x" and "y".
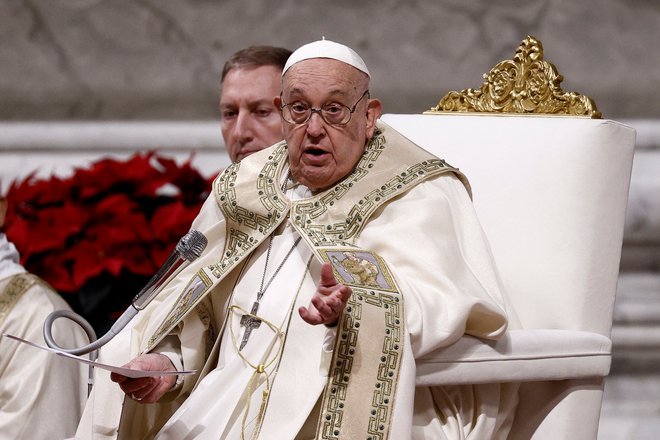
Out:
{"x": 170, "y": 346}
{"x": 442, "y": 262}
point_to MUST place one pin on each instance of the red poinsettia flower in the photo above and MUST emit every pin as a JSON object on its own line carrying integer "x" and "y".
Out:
{"x": 110, "y": 224}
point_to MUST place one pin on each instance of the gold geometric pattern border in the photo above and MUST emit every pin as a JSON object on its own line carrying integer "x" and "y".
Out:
{"x": 332, "y": 423}
{"x": 238, "y": 244}
{"x": 266, "y": 181}
{"x": 241, "y": 241}
{"x": 224, "y": 187}
{"x": 388, "y": 369}
{"x": 524, "y": 85}
{"x": 18, "y": 285}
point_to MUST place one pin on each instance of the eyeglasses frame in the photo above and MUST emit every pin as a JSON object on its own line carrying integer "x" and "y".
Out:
{"x": 313, "y": 110}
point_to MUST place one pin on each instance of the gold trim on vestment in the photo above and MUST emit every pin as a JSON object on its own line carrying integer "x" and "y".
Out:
{"x": 358, "y": 401}
{"x": 17, "y": 286}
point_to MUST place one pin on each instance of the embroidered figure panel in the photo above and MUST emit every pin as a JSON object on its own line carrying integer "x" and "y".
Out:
{"x": 195, "y": 289}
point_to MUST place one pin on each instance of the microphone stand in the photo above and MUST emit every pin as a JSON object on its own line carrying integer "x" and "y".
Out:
{"x": 189, "y": 248}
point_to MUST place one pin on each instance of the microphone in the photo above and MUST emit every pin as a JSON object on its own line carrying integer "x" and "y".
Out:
{"x": 188, "y": 249}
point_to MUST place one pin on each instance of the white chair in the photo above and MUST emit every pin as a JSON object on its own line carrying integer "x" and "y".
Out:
{"x": 551, "y": 194}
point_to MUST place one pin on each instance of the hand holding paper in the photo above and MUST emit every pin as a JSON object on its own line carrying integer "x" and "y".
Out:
{"x": 147, "y": 389}
{"x": 127, "y": 372}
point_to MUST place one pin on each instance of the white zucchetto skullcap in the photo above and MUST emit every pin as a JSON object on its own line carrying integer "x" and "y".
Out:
{"x": 327, "y": 49}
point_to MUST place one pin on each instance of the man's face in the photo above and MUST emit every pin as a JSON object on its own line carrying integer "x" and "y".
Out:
{"x": 321, "y": 154}
{"x": 250, "y": 120}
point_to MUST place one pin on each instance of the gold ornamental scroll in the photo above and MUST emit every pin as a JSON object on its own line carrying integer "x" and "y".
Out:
{"x": 524, "y": 85}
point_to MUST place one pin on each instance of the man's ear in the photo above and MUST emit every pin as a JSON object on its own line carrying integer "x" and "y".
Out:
{"x": 374, "y": 110}
{"x": 277, "y": 102}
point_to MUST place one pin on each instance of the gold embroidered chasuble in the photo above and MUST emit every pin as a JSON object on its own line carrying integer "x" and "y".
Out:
{"x": 355, "y": 402}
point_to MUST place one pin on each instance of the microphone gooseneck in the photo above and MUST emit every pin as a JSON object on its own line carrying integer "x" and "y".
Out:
{"x": 188, "y": 249}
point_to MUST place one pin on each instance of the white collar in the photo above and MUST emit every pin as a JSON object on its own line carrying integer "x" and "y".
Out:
{"x": 294, "y": 190}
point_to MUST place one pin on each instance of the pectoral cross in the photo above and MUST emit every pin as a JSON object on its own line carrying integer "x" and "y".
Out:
{"x": 250, "y": 322}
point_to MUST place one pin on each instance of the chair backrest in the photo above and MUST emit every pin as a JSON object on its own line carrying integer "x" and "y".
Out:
{"x": 551, "y": 195}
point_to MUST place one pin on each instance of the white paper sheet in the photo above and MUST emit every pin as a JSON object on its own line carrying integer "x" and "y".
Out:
{"x": 119, "y": 370}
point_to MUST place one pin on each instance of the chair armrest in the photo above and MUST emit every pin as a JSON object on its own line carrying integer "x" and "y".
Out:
{"x": 519, "y": 356}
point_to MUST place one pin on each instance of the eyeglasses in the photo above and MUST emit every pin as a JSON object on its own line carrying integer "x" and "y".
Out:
{"x": 333, "y": 114}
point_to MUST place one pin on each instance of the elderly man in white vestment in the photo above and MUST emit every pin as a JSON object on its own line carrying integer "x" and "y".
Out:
{"x": 285, "y": 341}
{"x": 41, "y": 396}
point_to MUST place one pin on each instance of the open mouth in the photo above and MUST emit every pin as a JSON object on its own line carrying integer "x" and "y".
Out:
{"x": 315, "y": 151}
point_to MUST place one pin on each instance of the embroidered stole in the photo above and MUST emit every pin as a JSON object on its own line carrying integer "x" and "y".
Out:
{"x": 17, "y": 286}
{"x": 357, "y": 403}
{"x": 359, "y": 396}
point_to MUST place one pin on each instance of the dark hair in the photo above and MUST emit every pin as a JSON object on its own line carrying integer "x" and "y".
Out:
{"x": 256, "y": 56}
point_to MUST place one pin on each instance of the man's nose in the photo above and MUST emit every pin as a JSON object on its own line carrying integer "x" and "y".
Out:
{"x": 315, "y": 125}
{"x": 243, "y": 126}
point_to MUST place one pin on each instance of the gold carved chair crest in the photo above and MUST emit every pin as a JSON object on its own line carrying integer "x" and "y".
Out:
{"x": 527, "y": 84}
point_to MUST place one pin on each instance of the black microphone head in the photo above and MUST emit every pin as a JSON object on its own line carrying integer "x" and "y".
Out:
{"x": 191, "y": 245}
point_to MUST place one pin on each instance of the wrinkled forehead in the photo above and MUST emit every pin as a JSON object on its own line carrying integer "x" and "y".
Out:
{"x": 328, "y": 75}
{"x": 250, "y": 83}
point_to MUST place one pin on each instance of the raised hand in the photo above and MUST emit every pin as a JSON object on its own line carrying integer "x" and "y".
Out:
{"x": 328, "y": 301}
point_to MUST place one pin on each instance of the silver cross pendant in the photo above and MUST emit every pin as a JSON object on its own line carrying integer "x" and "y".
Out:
{"x": 250, "y": 322}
